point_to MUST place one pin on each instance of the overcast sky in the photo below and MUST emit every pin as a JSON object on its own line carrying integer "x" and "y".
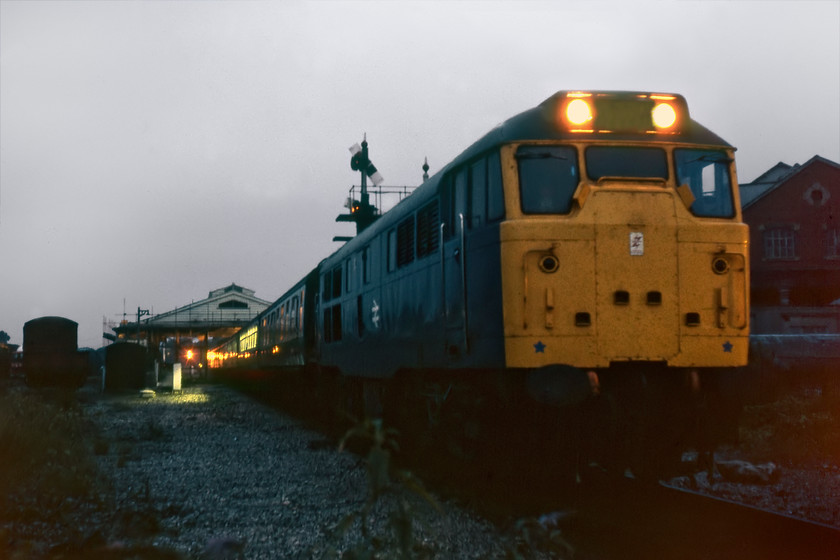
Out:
{"x": 151, "y": 152}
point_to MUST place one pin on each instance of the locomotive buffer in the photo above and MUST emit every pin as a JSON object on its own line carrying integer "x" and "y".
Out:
{"x": 362, "y": 212}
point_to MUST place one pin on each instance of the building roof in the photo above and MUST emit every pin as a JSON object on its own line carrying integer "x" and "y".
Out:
{"x": 773, "y": 178}
{"x": 230, "y": 306}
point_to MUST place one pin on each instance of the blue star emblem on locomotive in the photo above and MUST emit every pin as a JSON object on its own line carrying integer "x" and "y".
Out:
{"x": 727, "y": 346}
{"x": 539, "y": 348}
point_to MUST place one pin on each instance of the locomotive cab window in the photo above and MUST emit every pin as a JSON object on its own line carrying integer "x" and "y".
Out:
{"x": 548, "y": 177}
{"x": 707, "y": 174}
{"x": 628, "y": 162}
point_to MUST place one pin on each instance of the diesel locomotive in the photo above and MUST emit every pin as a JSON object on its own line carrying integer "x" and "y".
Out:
{"x": 588, "y": 250}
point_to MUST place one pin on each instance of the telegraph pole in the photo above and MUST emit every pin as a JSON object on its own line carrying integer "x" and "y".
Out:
{"x": 140, "y": 313}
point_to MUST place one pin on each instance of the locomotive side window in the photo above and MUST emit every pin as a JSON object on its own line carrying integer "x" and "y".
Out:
{"x": 447, "y": 206}
{"x": 626, "y": 162}
{"x": 478, "y": 193}
{"x": 327, "y": 292}
{"x": 349, "y": 271}
{"x": 391, "y": 250}
{"x": 427, "y": 229}
{"x": 706, "y": 172}
{"x": 495, "y": 194}
{"x": 366, "y": 276}
{"x": 459, "y": 200}
{"x": 336, "y": 282}
{"x": 548, "y": 177}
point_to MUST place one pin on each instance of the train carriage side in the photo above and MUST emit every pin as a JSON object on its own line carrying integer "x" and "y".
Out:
{"x": 281, "y": 337}
{"x": 422, "y": 288}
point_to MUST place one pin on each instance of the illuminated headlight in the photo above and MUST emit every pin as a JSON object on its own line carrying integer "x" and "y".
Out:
{"x": 664, "y": 116}
{"x": 578, "y": 111}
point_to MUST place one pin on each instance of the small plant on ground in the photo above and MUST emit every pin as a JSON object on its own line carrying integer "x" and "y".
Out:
{"x": 535, "y": 537}
{"x": 386, "y": 522}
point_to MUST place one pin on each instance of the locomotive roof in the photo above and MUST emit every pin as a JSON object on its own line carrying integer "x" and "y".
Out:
{"x": 538, "y": 123}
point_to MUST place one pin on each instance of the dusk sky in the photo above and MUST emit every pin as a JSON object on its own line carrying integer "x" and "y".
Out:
{"x": 151, "y": 152}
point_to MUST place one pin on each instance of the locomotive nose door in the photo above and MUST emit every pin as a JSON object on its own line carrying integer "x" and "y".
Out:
{"x": 636, "y": 274}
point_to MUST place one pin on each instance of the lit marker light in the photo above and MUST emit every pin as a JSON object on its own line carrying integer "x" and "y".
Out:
{"x": 664, "y": 115}
{"x": 578, "y": 112}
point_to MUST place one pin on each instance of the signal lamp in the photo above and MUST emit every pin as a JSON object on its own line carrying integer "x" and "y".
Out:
{"x": 664, "y": 115}
{"x": 578, "y": 112}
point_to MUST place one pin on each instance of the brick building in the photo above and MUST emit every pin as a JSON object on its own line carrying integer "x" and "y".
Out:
{"x": 794, "y": 218}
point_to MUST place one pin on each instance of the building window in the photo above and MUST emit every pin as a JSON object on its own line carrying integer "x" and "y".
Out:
{"x": 832, "y": 244}
{"x": 233, "y": 304}
{"x": 780, "y": 243}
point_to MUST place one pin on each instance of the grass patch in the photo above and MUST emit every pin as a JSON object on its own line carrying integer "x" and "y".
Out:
{"x": 801, "y": 427}
{"x": 43, "y": 448}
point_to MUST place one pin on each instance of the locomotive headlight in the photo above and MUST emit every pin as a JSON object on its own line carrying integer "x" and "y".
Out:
{"x": 578, "y": 111}
{"x": 664, "y": 115}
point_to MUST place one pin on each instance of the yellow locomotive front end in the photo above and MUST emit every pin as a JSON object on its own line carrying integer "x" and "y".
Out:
{"x": 623, "y": 240}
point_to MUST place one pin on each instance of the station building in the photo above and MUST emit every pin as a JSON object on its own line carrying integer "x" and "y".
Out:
{"x": 184, "y": 334}
{"x": 794, "y": 218}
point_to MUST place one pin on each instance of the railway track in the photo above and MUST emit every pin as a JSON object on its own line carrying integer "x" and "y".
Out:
{"x": 610, "y": 517}
{"x": 659, "y": 521}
